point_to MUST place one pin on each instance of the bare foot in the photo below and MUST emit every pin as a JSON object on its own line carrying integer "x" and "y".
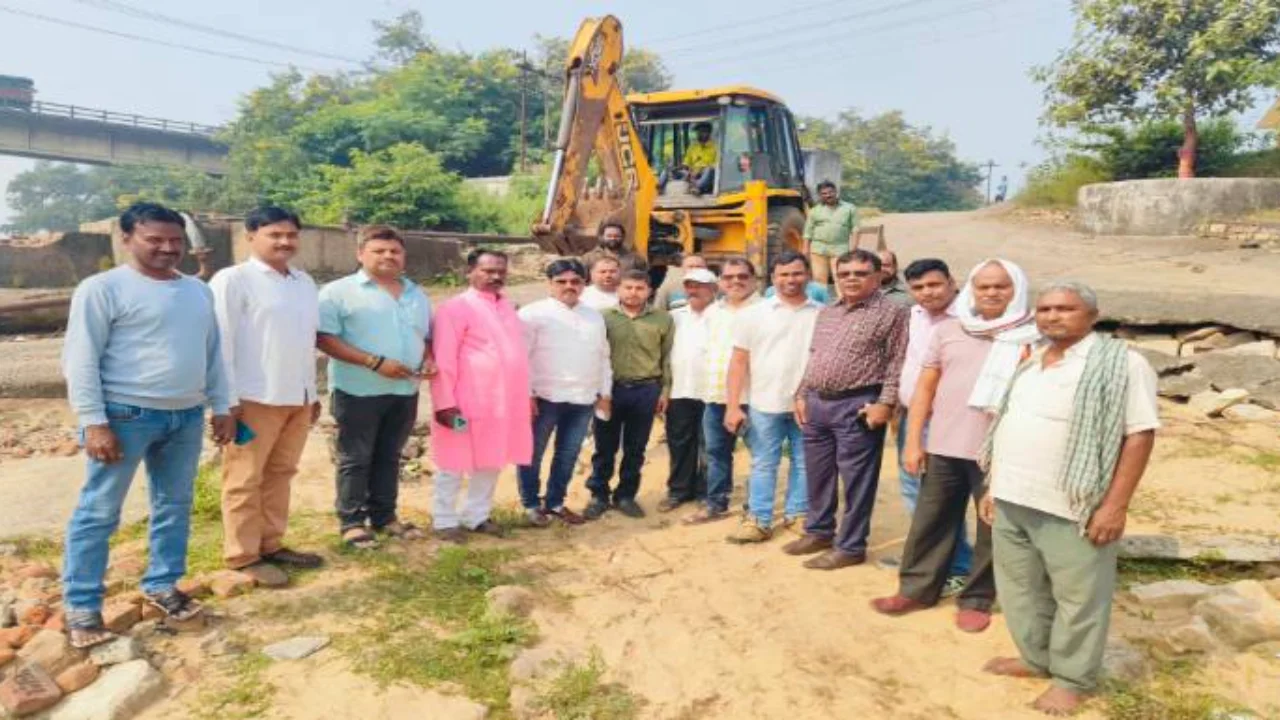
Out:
{"x": 1059, "y": 702}
{"x": 1011, "y": 667}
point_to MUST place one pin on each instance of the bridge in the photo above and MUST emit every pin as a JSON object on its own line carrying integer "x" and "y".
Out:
{"x": 53, "y": 131}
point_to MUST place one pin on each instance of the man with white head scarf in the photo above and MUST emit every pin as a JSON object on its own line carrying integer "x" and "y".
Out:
{"x": 970, "y": 361}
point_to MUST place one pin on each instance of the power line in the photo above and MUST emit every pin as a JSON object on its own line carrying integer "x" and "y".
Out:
{"x": 125, "y": 9}
{"x": 800, "y": 28}
{"x": 791, "y": 49}
{"x": 152, "y": 41}
{"x": 700, "y": 32}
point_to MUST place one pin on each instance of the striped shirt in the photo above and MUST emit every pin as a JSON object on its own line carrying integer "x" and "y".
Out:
{"x": 719, "y": 348}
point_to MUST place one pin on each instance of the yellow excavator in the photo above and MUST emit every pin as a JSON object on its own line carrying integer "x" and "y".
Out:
{"x": 750, "y": 198}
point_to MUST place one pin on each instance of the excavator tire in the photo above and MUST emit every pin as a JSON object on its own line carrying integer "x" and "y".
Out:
{"x": 786, "y": 232}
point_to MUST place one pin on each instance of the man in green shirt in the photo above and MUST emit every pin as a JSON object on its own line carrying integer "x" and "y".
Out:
{"x": 828, "y": 231}
{"x": 640, "y": 339}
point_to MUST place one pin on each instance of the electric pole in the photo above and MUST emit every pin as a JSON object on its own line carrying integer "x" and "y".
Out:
{"x": 991, "y": 167}
{"x": 524, "y": 91}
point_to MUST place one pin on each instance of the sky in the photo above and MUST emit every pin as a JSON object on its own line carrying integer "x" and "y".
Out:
{"x": 958, "y": 66}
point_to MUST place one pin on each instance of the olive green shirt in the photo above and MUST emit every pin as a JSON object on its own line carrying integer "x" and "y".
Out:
{"x": 827, "y": 229}
{"x": 640, "y": 347}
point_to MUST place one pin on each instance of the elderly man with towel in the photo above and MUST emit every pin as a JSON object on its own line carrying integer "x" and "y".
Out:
{"x": 970, "y": 362}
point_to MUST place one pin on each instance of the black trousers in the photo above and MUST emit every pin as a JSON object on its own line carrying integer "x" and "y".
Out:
{"x": 634, "y": 407}
{"x": 372, "y": 431}
{"x": 688, "y": 479}
{"x": 945, "y": 492}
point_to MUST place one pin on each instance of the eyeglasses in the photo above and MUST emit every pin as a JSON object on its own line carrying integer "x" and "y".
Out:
{"x": 735, "y": 276}
{"x": 568, "y": 281}
{"x": 842, "y": 274}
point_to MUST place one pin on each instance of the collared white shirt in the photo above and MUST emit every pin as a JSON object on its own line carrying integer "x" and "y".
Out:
{"x": 689, "y": 353}
{"x": 778, "y": 337}
{"x": 594, "y": 297}
{"x": 720, "y": 320}
{"x": 919, "y": 336}
{"x": 268, "y": 324}
{"x": 1031, "y": 441}
{"x": 568, "y": 352}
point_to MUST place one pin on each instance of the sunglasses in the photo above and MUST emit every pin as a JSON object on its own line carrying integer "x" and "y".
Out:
{"x": 855, "y": 273}
{"x": 735, "y": 276}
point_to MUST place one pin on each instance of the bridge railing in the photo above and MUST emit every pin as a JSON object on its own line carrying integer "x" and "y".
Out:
{"x": 75, "y": 112}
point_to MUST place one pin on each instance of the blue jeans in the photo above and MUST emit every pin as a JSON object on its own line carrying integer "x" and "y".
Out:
{"x": 767, "y": 432}
{"x": 570, "y": 423}
{"x": 720, "y": 444}
{"x": 168, "y": 441}
{"x": 911, "y": 491}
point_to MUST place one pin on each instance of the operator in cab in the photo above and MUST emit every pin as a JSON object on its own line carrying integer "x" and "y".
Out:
{"x": 700, "y": 160}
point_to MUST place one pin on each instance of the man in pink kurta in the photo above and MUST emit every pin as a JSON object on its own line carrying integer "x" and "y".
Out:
{"x": 480, "y": 396}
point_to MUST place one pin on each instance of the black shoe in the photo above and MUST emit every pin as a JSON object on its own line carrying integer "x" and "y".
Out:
{"x": 595, "y": 509}
{"x": 630, "y": 508}
{"x": 669, "y": 503}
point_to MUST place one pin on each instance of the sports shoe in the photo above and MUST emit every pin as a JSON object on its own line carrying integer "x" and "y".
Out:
{"x": 953, "y": 585}
{"x": 749, "y": 531}
{"x": 285, "y": 556}
{"x": 595, "y": 509}
{"x": 266, "y": 574}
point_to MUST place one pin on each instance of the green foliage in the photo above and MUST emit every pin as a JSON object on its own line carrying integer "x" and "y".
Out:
{"x": 1214, "y": 571}
{"x": 247, "y": 695}
{"x": 404, "y": 185}
{"x": 1150, "y": 150}
{"x": 1141, "y": 60}
{"x": 1173, "y": 693}
{"x": 895, "y": 166}
{"x": 579, "y": 693}
{"x": 1055, "y": 183}
{"x": 399, "y": 40}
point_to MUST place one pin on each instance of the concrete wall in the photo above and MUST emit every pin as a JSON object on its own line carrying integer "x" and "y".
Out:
{"x": 1172, "y": 206}
{"x": 328, "y": 252}
{"x": 68, "y": 259}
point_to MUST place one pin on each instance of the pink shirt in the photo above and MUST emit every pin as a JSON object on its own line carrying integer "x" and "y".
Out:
{"x": 955, "y": 429}
{"x": 919, "y": 334}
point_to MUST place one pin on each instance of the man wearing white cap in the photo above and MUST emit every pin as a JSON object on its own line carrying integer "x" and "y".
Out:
{"x": 688, "y": 478}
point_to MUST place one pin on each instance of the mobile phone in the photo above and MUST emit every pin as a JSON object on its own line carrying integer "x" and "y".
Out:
{"x": 458, "y": 424}
{"x": 244, "y": 433}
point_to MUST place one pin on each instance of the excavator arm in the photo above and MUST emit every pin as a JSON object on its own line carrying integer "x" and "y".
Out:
{"x": 596, "y": 122}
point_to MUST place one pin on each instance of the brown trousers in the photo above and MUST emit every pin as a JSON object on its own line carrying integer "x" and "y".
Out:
{"x": 255, "y": 481}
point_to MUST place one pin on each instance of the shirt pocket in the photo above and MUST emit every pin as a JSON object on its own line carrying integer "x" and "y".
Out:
{"x": 1054, "y": 399}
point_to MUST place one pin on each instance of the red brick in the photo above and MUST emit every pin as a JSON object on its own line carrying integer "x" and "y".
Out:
{"x": 36, "y": 615}
{"x": 195, "y": 587}
{"x": 57, "y": 622}
{"x": 6, "y": 654}
{"x": 119, "y": 617}
{"x": 37, "y": 570}
{"x": 29, "y": 690}
{"x": 16, "y": 637}
{"x": 77, "y": 677}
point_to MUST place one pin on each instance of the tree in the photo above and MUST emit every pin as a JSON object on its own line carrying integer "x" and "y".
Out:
{"x": 894, "y": 166}
{"x": 402, "y": 39}
{"x": 57, "y": 197}
{"x": 1139, "y": 60}
{"x": 405, "y": 185}
{"x": 1147, "y": 150}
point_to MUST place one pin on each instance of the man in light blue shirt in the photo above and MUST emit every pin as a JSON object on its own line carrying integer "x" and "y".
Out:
{"x": 374, "y": 326}
{"x": 142, "y": 359}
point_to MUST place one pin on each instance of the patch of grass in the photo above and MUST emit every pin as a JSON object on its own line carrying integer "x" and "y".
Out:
{"x": 249, "y": 694}
{"x": 1172, "y": 693}
{"x": 38, "y": 548}
{"x": 425, "y": 623}
{"x": 579, "y": 693}
{"x": 1266, "y": 460}
{"x": 1208, "y": 569}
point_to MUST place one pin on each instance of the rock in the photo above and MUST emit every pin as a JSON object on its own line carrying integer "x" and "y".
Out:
{"x": 1198, "y": 334}
{"x": 1251, "y": 589}
{"x": 1184, "y": 386}
{"x": 77, "y": 677}
{"x": 1241, "y": 621}
{"x": 1169, "y": 594}
{"x": 8, "y": 618}
{"x": 1212, "y": 404}
{"x": 121, "y": 650}
{"x": 412, "y": 448}
{"x": 28, "y": 690}
{"x": 524, "y": 702}
{"x": 9, "y": 550}
{"x": 510, "y": 600}
{"x": 6, "y": 655}
{"x": 1192, "y": 636}
{"x": 296, "y": 648}
{"x": 121, "y": 692}
{"x": 539, "y": 663}
{"x": 1248, "y": 412}
{"x": 1273, "y": 587}
{"x": 37, "y": 570}
{"x": 1221, "y": 341}
{"x": 52, "y": 651}
{"x": 1238, "y": 371}
{"x": 1156, "y": 343}
{"x": 197, "y": 588}
{"x": 1165, "y": 363}
{"x": 1250, "y": 548}
{"x": 217, "y": 644}
{"x": 1261, "y": 348}
{"x": 120, "y": 616}
{"x": 16, "y": 637}
{"x": 194, "y": 625}
{"x": 57, "y": 622}
{"x": 150, "y": 612}
{"x": 1122, "y": 661}
{"x": 33, "y": 613}
{"x": 229, "y": 583}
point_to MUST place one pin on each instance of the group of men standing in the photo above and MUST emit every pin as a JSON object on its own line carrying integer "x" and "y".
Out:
{"x": 998, "y": 398}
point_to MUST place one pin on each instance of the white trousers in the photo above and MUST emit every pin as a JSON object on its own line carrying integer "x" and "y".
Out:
{"x": 476, "y": 506}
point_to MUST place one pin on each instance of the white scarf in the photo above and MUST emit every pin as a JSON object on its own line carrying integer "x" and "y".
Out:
{"x": 1011, "y": 332}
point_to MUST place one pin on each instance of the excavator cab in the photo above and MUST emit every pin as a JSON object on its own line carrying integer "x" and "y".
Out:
{"x": 754, "y": 136}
